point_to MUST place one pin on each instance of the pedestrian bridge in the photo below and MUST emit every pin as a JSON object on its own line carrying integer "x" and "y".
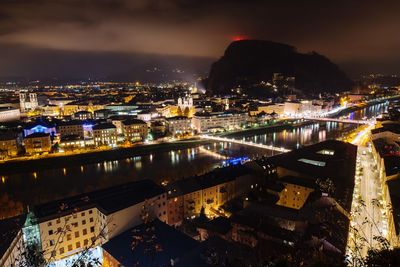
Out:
{"x": 242, "y": 142}
{"x": 338, "y": 120}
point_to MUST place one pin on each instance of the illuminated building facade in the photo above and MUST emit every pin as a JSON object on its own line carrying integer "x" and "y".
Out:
{"x": 105, "y": 134}
{"x": 179, "y": 125}
{"x": 67, "y": 227}
{"x": 83, "y": 115}
{"x": 187, "y": 197}
{"x": 386, "y": 151}
{"x": 37, "y": 143}
{"x": 206, "y": 122}
{"x": 8, "y": 145}
{"x": 40, "y": 128}
{"x": 71, "y": 128}
{"x": 134, "y": 130}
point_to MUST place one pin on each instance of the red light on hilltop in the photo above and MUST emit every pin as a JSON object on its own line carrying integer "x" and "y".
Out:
{"x": 239, "y": 38}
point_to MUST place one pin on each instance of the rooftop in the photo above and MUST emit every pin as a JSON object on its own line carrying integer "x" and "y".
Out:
{"x": 133, "y": 121}
{"x": 107, "y": 200}
{"x": 392, "y": 165}
{"x": 394, "y": 192}
{"x": 177, "y": 118}
{"x": 103, "y": 126}
{"x": 9, "y": 135}
{"x": 82, "y": 112}
{"x": 215, "y": 177}
{"x": 71, "y": 123}
{"x": 9, "y": 229}
{"x": 322, "y": 161}
{"x": 37, "y": 135}
{"x": 298, "y": 181}
{"x": 172, "y": 244}
{"x": 390, "y": 127}
{"x": 40, "y": 123}
{"x": 206, "y": 254}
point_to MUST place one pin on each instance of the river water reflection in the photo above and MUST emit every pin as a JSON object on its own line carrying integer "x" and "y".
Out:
{"x": 41, "y": 186}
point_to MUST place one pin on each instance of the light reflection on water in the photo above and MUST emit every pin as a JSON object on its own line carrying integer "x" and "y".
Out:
{"x": 45, "y": 185}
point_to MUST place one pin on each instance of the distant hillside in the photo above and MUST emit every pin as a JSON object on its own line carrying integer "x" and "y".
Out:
{"x": 249, "y": 62}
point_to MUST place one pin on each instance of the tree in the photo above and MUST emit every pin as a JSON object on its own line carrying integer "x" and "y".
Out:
{"x": 33, "y": 255}
{"x": 146, "y": 238}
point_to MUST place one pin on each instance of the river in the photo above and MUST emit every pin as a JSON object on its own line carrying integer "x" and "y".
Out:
{"x": 41, "y": 186}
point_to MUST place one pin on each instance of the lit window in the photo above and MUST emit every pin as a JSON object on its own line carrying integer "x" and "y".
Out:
{"x": 327, "y": 152}
{"x": 313, "y": 162}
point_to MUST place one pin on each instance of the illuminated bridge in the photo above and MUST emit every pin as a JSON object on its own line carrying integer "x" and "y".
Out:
{"x": 242, "y": 142}
{"x": 338, "y": 120}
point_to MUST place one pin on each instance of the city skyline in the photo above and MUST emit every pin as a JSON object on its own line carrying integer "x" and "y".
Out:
{"x": 199, "y": 133}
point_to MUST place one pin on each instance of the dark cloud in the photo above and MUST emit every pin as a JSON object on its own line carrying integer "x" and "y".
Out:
{"x": 352, "y": 33}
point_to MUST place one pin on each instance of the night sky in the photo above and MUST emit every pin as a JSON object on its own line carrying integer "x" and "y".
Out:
{"x": 111, "y": 38}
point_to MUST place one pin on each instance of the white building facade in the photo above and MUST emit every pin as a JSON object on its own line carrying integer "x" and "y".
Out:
{"x": 222, "y": 120}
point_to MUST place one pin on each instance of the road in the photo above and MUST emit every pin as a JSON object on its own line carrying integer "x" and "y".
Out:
{"x": 368, "y": 215}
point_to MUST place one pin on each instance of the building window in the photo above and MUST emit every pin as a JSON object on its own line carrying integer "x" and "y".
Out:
{"x": 69, "y": 237}
{"x": 91, "y": 219}
{"x": 84, "y": 232}
{"x": 83, "y": 222}
{"x": 82, "y": 214}
{"x": 78, "y": 244}
{"x": 51, "y": 242}
{"x": 85, "y": 242}
{"x": 49, "y": 224}
{"x": 61, "y": 250}
{"x": 69, "y": 247}
{"x": 76, "y": 234}
{"x": 50, "y": 232}
{"x": 92, "y": 229}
